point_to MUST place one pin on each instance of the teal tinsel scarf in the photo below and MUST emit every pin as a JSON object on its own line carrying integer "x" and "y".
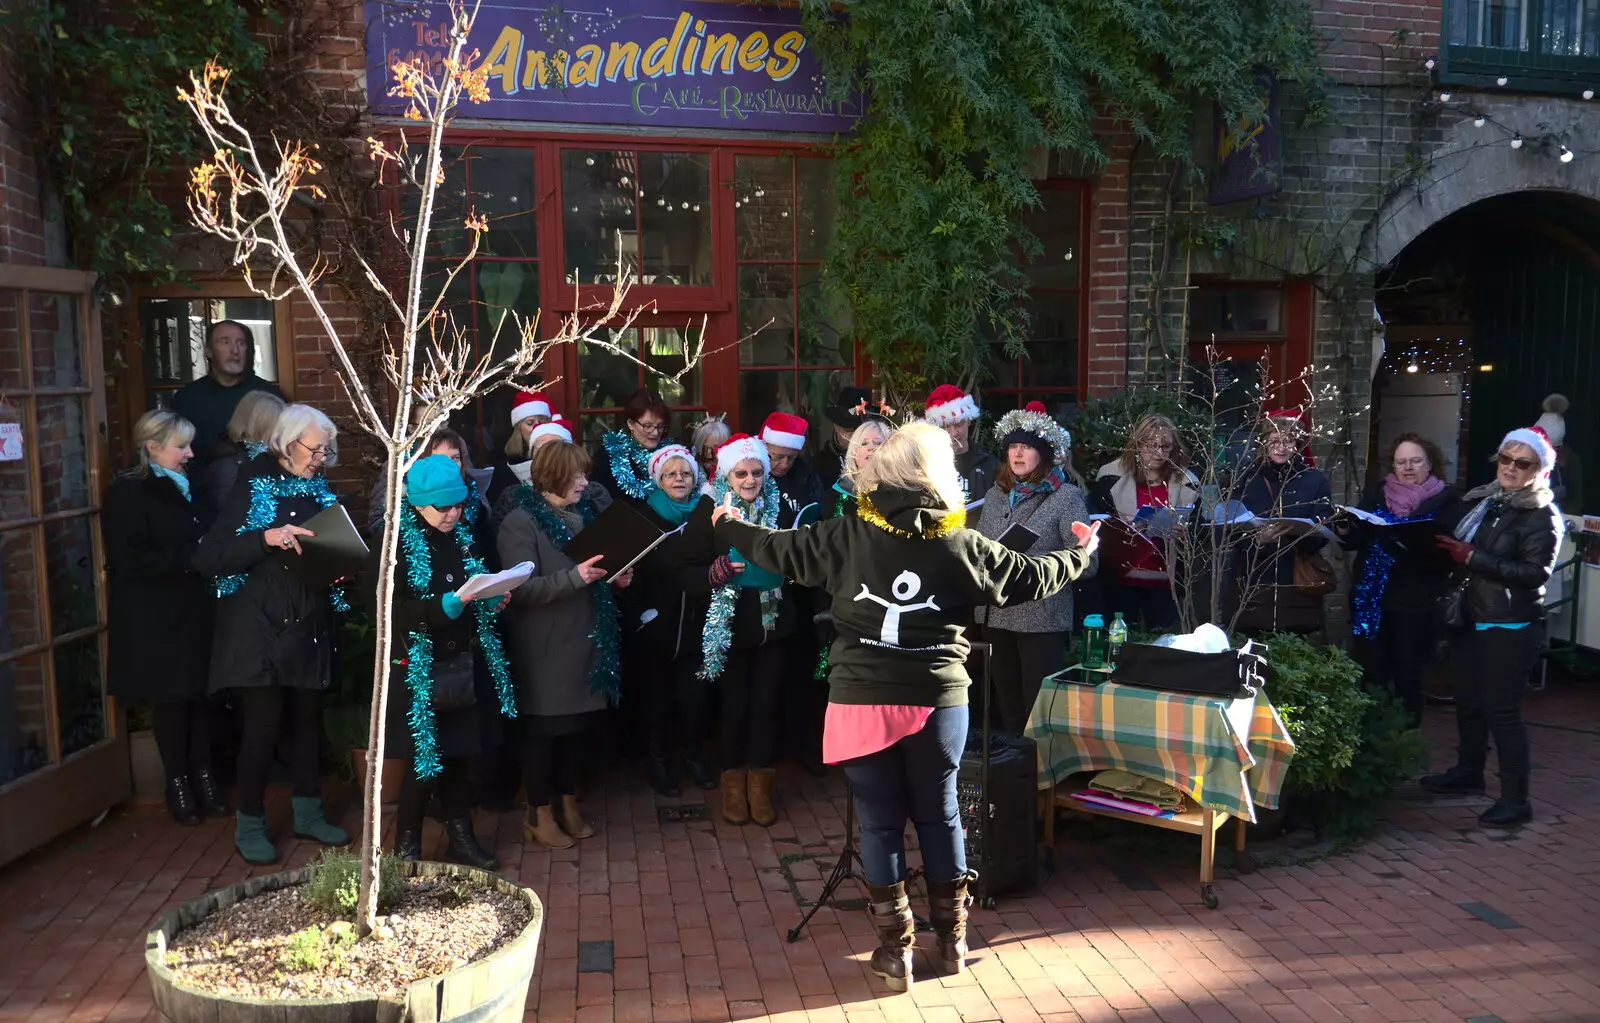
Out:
{"x": 630, "y": 464}
{"x": 717, "y": 636}
{"x": 605, "y": 674}
{"x": 417, "y": 558}
{"x": 265, "y": 493}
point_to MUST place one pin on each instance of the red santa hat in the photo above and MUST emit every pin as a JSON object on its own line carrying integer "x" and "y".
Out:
{"x": 666, "y": 453}
{"x": 1536, "y": 439}
{"x": 949, "y": 405}
{"x": 785, "y": 431}
{"x": 560, "y": 429}
{"x": 530, "y": 403}
{"x": 739, "y": 447}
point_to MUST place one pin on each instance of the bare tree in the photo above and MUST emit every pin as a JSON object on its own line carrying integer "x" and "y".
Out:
{"x": 247, "y": 195}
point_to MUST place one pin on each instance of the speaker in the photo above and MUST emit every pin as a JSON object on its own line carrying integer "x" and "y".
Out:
{"x": 996, "y": 794}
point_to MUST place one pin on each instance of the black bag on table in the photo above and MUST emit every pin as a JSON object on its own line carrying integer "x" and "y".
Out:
{"x": 1232, "y": 674}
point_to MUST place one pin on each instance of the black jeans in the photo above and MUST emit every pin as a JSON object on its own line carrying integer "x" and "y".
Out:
{"x": 805, "y": 699}
{"x": 455, "y": 795}
{"x": 550, "y": 765}
{"x": 915, "y": 779}
{"x": 183, "y": 736}
{"x": 752, "y": 686}
{"x": 1020, "y": 661}
{"x": 677, "y": 703}
{"x": 1397, "y": 660}
{"x": 1491, "y": 674}
{"x": 262, "y": 714}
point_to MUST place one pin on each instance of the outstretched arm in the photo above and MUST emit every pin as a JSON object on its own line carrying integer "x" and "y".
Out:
{"x": 805, "y": 555}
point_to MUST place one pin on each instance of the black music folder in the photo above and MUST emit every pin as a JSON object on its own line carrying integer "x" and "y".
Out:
{"x": 621, "y": 534}
{"x": 335, "y": 552}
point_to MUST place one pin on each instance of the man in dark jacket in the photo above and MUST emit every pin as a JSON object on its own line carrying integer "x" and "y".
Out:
{"x": 854, "y": 407}
{"x": 953, "y": 410}
{"x": 209, "y": 402}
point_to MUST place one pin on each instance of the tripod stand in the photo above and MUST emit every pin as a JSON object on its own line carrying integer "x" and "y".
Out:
{"x": 843, "y": 870}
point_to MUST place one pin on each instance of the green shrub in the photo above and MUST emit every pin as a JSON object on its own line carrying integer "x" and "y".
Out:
{"x": 335, "y": 883}
{"x": 316, "y": 947}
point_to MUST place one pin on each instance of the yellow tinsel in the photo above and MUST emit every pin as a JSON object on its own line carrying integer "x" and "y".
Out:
{"x": 868, "y": 512}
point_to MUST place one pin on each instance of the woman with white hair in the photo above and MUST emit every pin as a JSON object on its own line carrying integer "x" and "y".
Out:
{"x": 159, "y": 609}
{"x": 1505, "y": 536}
{"x": 709, "y": 435}
{"x": 905, "y": 577}
{"x": 275, "y": 634}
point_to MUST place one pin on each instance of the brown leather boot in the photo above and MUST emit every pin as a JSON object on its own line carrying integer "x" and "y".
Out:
{"x": 543, "y": 829}
{"x": 761, "y": 781}
{"x": 947, "y": 912}
{"x": 735, "y": 800}
{"x": 571, "y": 819}
{"x": 891, "y": 915}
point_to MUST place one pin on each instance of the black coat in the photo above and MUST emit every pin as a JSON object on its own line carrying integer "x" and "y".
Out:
{"x": 1417, "y": 582}
{"x": 274, "y": 630}
{"x": 677, "y": 590}
{"x": 829, "y": 464}
{"x": 159, "y": 609}
{"x": 696, "y": 553}
{"x": 800, "y": 487}
{"x": 1513, "y": 554}
{"x": 1293, "y": 490}
{"x": 216, "y": 478}
{"x": 977, "y": 469}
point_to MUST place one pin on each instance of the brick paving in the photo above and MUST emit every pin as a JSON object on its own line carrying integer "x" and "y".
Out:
{"x": 682, "y": 921}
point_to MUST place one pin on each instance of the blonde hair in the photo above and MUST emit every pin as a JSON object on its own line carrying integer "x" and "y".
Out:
{"x": 872, "y": 427}
{"x": 294, "y": 422}
{"x": 254, "y": 417}
{"x": 1148, "y": 424}
{"x": 917, "y": 456}
{"x": 160, "y": 427}
{"x": 516, "y": 447}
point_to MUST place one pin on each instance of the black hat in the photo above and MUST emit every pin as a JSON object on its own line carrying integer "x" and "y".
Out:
{"x": 843, "y": 412}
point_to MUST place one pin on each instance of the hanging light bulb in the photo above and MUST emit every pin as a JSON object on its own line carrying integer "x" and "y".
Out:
{"x": 1413, "y": 368}
{"x": 697, "y": 207}
{"x": 1444, "y": 97}
{"x": 1477, "y": 122}
{"x": 1428, "y": 63}
{"x": 760, "y": 192}
{"x": 588, "y": 161}
{"x": 1501, "y": 81}
{"x": 1588, "y": 94}
{"x": 737, "y": 204}
{"x": 1516, "y": 143}
{"x": 685, "y": 205}
{"x": 661, "y": 202}
{"x": 1566, "y": 155}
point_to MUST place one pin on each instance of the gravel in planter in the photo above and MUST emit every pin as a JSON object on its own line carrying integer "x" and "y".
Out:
{"x": 276, "y": 945}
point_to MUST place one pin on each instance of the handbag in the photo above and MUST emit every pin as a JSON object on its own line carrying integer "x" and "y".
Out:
{"x": 1313, "y": 576}
{"x": 1453, "y": 605}
{"x": 1232, "y": 674}
{"x": 454, "y": 682}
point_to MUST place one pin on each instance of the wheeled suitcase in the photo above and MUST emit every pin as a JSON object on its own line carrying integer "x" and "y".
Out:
{"x": 997, "y": 795}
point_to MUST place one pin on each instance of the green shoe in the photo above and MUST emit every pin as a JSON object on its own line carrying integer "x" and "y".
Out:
{"x": 250, "y": 838}
{"x": 309, "y": 822}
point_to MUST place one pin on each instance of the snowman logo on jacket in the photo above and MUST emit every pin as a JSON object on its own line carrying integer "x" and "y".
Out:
{"x": 906, "y": 586}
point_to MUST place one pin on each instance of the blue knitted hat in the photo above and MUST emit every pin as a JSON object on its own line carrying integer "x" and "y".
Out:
{"x": 436, "y": 482}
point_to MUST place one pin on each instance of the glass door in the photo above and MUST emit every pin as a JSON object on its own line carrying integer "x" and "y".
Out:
{"x": 62, "y": 757}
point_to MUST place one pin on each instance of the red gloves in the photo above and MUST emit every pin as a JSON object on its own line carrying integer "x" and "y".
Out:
{"x": 1459, "y": 550}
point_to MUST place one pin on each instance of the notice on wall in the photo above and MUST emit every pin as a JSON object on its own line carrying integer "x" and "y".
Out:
{"x": 622, "y": 62}
{"x": 10, "y": 442}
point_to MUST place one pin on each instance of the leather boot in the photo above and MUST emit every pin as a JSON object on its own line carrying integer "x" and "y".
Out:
{"x": 891, "y": 915}
{"x": 571, "y": 819}
{"x": 735, "y": 800}
{"x": 761, "y": 782}
{"x": 209, "y": 794}
{"x": 180, "y": 802}
{"x": 661, "y": 778}
{"x": 948, "y": 902}
{"x": 702, "y": 773}
{"x": 1456, "y": 781}
{"x": 543, "y": 829}
{"x": 407, "y": 845}
{"x": 464, "y": 847}
{"x": 1512, "y": 809}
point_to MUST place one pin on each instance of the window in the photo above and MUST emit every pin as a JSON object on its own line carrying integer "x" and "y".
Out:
{"x": 653, "y": 207}
{"x": 795, "y": 346}
{"x": 607, "y": 379}
{"x": 1537, "y": 45}
{"x": 1262, "y": 336}
{"x": 1048, "y": 368}
{"x": 173, "y": 336}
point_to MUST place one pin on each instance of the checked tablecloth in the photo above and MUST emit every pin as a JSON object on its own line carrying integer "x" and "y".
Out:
{"x": 1227, "y": 755}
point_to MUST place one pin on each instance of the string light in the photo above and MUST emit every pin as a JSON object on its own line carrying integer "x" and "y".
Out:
{"x": 1413, "y": 368}
{"x": 1516, "y": 143}
{"x": 1566, "y": 155}
{"x": 1588, "y": 94}
{"x": 1444, "y": 97}
{"x": 1428, "y": 63}
{"x": 1501, "y": 81}
{"x": 1478, "y": 122}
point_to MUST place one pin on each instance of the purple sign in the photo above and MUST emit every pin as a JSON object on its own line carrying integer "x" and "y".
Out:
{"x": 1248, "y": 161}
{"x": 681, "y": 65}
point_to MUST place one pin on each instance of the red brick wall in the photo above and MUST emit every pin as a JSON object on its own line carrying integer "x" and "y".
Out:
{"x": 21, "y": 220}
{"x": 1365, "y": 41}
{"x": 1108, "y": 266}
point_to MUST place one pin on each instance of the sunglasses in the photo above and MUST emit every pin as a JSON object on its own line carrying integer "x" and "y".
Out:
{"x": 747, "y": 474}
{"x": 1525, "y": 464}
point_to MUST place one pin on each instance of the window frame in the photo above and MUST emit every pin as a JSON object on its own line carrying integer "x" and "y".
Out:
{"x": 1527, "y": 70}
{"x": 1286, "y": 352}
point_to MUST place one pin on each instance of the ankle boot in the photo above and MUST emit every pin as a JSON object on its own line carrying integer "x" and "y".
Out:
{"x": 1456, "y": 781}
{"x": 891, "y": 915}
{"x": 760, "y": 794}
{"x": 250, "y": 838}
{"x": 735, "y": 799}
{"x": 948, "y": 902}
{"x": 209, "y": 794}
{"x": 543, "y": 830}
{"x": 661, "y": 778}
{"x": 571, "y": 818}
{"x": 1512, "y": 809}
{"x": 701, "y": 773}
{"x": 310, "y": 822}
{"x": 407, "y": 845}
{"x": 180, "y": 802}
{"x": 464, "y": 847}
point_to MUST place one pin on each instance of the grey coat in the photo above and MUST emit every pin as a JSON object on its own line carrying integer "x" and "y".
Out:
{"x": 1051, "y": 516}
{"x": 547, "y": 626}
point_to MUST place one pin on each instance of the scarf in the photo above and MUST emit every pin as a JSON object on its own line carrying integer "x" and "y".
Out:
{"x": 1053, "y": 480}
{"x": 1405, "y": 498}
{"x": 1490, "y": 495}
{"x": 717, "y": 636}
{"x": 675, "y": 512}
{"x": 630, "y": 464}
{"x": 178, "y": 479}
{"x": 265, "y": 493}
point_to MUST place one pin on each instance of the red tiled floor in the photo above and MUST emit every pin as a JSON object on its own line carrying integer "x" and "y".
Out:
{"x": 696, "y": 914}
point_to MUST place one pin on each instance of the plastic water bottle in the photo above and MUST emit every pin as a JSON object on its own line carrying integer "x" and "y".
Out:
{"x": 1094, "y": 642}
{"x": 1115, "y": 637}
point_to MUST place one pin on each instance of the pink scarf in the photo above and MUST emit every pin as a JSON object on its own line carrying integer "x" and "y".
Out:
{"x": 1405, "y": 498}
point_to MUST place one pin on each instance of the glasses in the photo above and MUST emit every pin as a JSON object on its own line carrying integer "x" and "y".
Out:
{"x": 1410, "y": 463}
{"x": 1525, "y": 464}
{"x": 677, "y": 474}
{"x": 651, "y": 428}
{"x": 747, "y": 474}
{"x": 316, "y": 454}
{"x": 1146, "y": 445}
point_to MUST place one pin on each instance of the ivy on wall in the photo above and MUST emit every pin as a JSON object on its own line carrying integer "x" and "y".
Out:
{"x": 961, "y": 96}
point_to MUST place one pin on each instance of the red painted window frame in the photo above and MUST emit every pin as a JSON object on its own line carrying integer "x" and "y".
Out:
{"x": 1286, "y": 352}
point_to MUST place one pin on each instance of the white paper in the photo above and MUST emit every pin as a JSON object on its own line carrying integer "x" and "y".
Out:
{"x": 648, "y": 616}
{"x": 494, "y": 584}
{"x": 1365, "y": 516}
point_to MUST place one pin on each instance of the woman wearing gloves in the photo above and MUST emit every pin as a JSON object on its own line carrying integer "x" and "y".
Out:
{"x": 1505, "y": 539}
{"x": 905, "y": 577}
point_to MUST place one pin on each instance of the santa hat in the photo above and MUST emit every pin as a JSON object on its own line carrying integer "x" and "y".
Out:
{"x": 666, "y": 453}
{"x": 1032, "y": 425}
{"x": 949, "y": 405}
{"x": 530, "y": 403}
{"x": 739, "y": 447}
{"x": 1537, "y": 439}
{"x": 785, "y": 431}
{"x": 560, "y": 429}
{"x": 1552, "y": 423}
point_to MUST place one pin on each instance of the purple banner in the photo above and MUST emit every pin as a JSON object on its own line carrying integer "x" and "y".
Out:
{"x": 681, "y": 65}
{"x": 1249, "y": 163}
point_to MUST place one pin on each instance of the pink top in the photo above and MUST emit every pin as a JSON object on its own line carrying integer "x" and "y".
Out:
{"x": 854, "y": 730}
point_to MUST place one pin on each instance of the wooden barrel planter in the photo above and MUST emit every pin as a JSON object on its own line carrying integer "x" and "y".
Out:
{"x": 492, "y": 990}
